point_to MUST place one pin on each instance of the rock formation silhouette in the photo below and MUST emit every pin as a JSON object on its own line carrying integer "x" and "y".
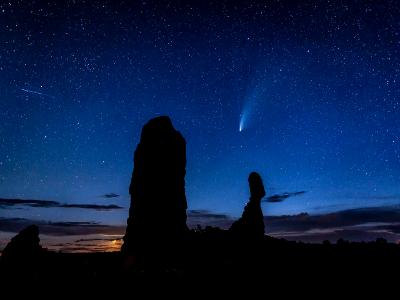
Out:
{"x": 251, "y": 224}
{"x": 24, "y": 248}
{"x": 157, "y": 214}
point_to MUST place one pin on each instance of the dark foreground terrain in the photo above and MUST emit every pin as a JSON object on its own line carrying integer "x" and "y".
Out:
{"x": 214, "y": 259}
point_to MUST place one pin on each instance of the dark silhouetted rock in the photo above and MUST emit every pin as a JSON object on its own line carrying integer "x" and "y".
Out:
{"x": 24, "y": 247}
{"x": 251, "y": 224}
{"x": 157, "y": 213}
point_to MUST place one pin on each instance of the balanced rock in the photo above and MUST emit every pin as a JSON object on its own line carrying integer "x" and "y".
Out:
{"x": 251, "y": 224}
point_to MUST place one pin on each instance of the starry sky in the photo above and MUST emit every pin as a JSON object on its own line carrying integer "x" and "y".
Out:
{"x": 305, "y": 93}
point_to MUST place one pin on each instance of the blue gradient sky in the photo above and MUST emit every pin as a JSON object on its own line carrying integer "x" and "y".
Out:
{"x": 318, "y": 83}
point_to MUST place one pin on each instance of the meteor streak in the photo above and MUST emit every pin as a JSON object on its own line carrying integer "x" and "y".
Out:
{"x": 36, "y": 93}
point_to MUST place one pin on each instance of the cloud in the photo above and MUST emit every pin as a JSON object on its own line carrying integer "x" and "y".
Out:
{"x": 354, "y": 224}
{"x": 207, "y": 218}
{"x": 349, "y": 217}
{"x": 110, "y": 195}
{"x": 60, "y": 228}
{"x": 32, "y": 203}
{"x": 284, "y": 196}
{"x": 99, "y": 239}
{"x": 11, "y": 203}
{"x": 339, "y": 233}
{"x": 206, "y": 214}
{"x": 91, "y": 206}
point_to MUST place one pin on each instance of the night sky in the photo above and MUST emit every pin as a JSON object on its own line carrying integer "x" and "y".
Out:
{"x": 306, "y": 94}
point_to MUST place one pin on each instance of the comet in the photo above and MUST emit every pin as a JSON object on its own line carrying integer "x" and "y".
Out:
{"x": 244, "y": 116}
{"x": 257, "y": 94}
{"x": 242, "y": 121}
